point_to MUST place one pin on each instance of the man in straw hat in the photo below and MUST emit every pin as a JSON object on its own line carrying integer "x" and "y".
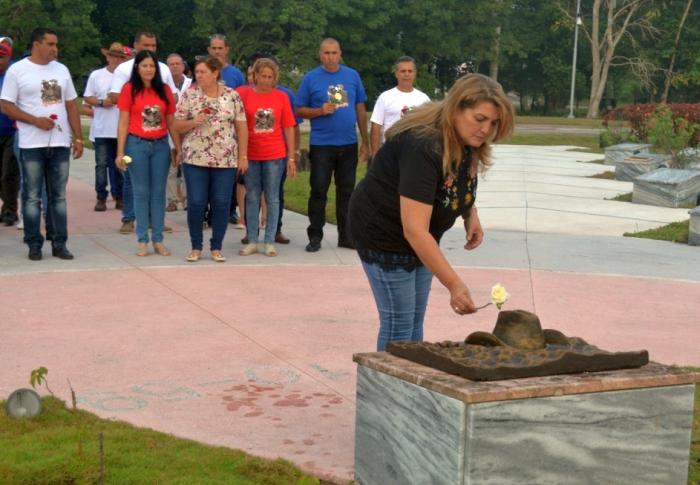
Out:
{"x": 103, "y": 129}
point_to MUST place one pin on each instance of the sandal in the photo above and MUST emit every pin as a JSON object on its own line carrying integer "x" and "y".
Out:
{"x": 142, "y": 250}
{"x": 161, "y": 249}
{"x": 251, "y": 248}
{"x": 218, "y": 257}
{"x": 270, "y": 250}
{"x": 194, "y": 256}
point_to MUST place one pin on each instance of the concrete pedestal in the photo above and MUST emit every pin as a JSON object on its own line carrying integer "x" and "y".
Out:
{"x": 417, "y": 425}
{"x": 617, "y": 153}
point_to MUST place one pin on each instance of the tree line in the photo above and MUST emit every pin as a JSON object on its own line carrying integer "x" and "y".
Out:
{"x": 629, "y": 50}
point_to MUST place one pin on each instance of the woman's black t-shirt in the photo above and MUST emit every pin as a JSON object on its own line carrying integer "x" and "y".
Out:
{"x": 410, "y": 166}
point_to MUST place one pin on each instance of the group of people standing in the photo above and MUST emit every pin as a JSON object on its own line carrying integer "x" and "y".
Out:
{"x": 424, "y": 172}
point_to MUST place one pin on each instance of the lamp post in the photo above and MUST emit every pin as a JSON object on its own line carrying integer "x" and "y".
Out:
{"x": 579, "y": 21}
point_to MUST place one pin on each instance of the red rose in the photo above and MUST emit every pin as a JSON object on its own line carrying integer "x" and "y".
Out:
{"x": 53, "y": 117}
{"x": 207, "y": 111}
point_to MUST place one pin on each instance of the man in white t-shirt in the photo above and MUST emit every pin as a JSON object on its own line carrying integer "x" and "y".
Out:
{"x": 394, "y": 103}
{"x": 38, "y": 93}
{"x": 103, "y": 128}
{"x": 143, "y": 41}
{"x": 175, "y": 180}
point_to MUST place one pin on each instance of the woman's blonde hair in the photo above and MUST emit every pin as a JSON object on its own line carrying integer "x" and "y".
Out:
{"x": 261, "y": 64}
{"x": 437, "y": 119}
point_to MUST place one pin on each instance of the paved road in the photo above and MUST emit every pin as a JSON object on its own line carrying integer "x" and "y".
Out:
{"x": 256, "y": 353}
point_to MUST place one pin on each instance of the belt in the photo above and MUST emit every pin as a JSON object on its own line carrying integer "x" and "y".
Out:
{"x": 149, "y": 139}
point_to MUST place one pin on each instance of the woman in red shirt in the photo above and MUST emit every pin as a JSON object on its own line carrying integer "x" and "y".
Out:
{"x": 270, "y": 140}
{"x": 146, "y": 108}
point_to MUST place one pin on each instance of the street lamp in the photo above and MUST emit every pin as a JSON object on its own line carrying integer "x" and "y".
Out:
{"x": 579, "y": 21}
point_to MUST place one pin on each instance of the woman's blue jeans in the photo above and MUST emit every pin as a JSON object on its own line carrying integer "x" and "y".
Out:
{"x": 263, "y": 176}
{"x": 149, "y": 173}
{"x": 213, "y": 187}
{"x": 401, "y": 297}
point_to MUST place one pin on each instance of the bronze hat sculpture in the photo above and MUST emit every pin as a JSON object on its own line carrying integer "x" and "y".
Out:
{"x": 518, "y": 347}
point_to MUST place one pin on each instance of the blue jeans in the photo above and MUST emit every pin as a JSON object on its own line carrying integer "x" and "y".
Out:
{"x": 105, "y": 153}
{"x": 340, "y": 161}
{"x": 212, "y": 187}
{"x": 263, "y": 176}
{"x": 149, "y": 173}
{"x": 45, "y": 167}
{"x": 284, "y": 177}
{"x": 127, "y": 198}
{"x": 401, "y": 297}
{"x": 44, "y": 197}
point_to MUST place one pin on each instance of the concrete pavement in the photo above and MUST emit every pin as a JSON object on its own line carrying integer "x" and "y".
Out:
{"x": 256, "y": 353}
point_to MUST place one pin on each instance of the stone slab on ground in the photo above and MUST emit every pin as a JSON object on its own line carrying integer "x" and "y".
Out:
{"x": 694, "y": 234}
{"x": 668, "y": 187}
{"x": 631, "y": 167}
{"x": 617, "y": 153}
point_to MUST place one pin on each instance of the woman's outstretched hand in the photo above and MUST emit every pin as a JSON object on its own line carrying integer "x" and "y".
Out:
{"x": 461, "y": 300}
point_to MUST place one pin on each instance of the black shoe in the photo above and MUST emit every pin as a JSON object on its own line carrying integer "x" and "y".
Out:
{"x": 346, "y": 244}
{"x": 245, "y": 240}
{"x": 61, "y": 252}
{"x": 280, "y": 239}
{"x": 313, "y": 246}
{"x": 35, "y": 253}
{"x": 9, "y": 218}
{"x": 233, "y": 219}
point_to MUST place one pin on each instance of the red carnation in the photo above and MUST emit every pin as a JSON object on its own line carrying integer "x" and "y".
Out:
{"x": 54, "y": 116}
{"x": 207, "y": 111}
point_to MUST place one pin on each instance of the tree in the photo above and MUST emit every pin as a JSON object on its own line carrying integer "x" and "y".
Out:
{"x": 77, "y": 36}
{"x": 610, "y": 22}
{"x": 669, "y": 72}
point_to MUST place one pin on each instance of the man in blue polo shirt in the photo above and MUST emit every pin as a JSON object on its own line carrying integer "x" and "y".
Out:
{"x": 333, "y": 98}
{"x": 219, "y": 48}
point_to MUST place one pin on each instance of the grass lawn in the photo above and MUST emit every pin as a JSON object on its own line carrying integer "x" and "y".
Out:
{"x": 558, "y": 120}
{"x": 674, "y": 232}
{"x": 694, "y": 468}
{"x": 45, "y": 450}
{"x": 589, "y": 142}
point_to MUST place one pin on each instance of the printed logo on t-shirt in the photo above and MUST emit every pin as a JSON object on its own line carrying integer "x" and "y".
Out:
{"x": 151, "y": 118}
{"x": 264, "y": 120}
{"x": 337, "y": 95}
{"x": 51, "y": 92}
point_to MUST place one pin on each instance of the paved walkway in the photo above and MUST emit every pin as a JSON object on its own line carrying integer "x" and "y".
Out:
{"x": 256, "y": 353}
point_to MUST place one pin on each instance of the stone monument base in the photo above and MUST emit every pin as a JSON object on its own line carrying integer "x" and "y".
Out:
{"x": 417, "y": 425}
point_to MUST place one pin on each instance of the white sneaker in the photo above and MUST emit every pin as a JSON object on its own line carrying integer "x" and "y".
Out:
{"x": 270, "y": 250}
{"x": 20, "y": 223}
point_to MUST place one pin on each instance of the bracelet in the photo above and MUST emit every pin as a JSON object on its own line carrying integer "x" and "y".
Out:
{"x": 78, "y": 141}
{"x": 291, "y": 160}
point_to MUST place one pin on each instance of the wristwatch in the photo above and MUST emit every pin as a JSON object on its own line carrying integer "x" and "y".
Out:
{"x": 101, "y": 104}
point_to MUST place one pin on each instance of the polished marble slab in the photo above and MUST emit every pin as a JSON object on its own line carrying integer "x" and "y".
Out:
{"x": 694, "y": 234}
{"x": 617, "y": 153}
{"x": 418, "y": 425}
{"x": 633, "y": 166}
{"x": 666, "y": 187}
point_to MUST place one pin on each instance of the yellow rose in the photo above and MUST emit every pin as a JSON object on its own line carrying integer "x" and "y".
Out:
{"x": 338, "y": 96}
{"x": 126, "y": 159}
{"x": 499, "y": 295}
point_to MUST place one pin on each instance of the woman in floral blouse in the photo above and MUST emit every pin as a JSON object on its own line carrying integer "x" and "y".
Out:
{"x": 212, "y": 121}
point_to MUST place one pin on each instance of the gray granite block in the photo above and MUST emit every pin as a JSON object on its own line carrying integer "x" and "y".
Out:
{"x": 636, "y": 437}
{"x": 617, "y": 153}
{"x": 406, "y": 434}
{"x": 667, "y": 187}
{"x": 694, "y": 235}
{"x": 633, "y": 166}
